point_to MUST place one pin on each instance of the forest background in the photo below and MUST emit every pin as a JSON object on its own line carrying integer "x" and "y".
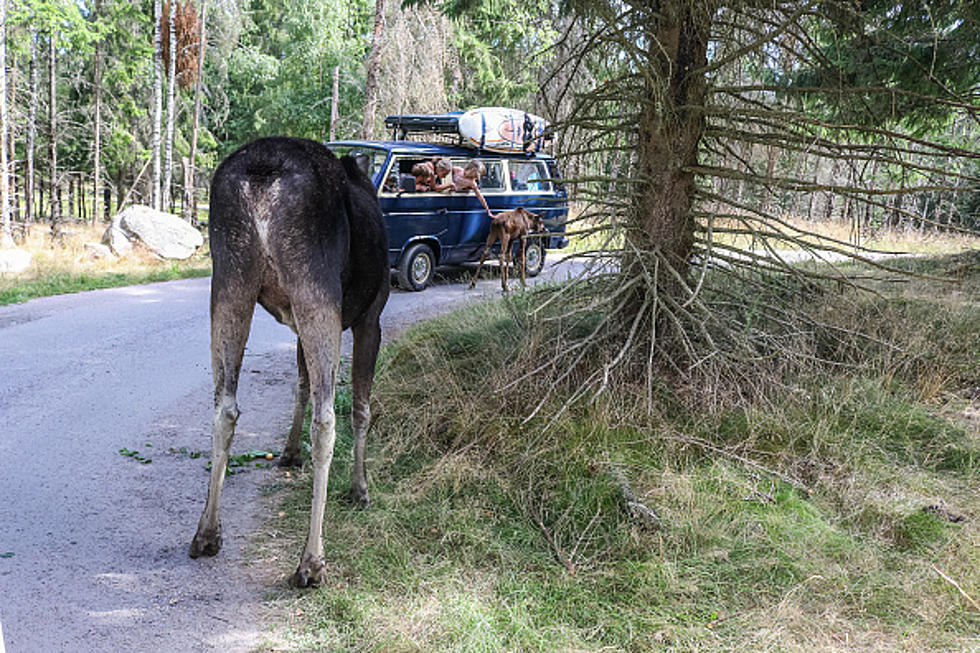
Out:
{"x": 96, "y": 116}
{"x": 84, "y": 116}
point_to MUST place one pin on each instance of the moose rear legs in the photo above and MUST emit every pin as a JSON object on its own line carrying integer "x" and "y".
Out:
{"x": 291, "y": 456}
{"x": 229, "y": 330}
{"x": 319, "y": 332}
{"x": 367, "y": 340}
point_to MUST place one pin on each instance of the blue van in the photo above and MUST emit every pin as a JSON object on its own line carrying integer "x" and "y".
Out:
{"x": 429, "y": 229}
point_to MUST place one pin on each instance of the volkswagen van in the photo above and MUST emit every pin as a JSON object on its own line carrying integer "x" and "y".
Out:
{"x": 429, "y": 229}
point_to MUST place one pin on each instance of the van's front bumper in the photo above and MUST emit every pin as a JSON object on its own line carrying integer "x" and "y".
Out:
{"x": 557, "y": 242}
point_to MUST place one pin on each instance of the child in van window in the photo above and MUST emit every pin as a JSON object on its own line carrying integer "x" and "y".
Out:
{"x": 463, "y": 179}
{"x": 425, "y": 176}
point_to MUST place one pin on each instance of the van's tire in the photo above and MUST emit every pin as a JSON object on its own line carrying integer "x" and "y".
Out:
{"x": 416, "y": 268}
{"x": 534, "y": 253}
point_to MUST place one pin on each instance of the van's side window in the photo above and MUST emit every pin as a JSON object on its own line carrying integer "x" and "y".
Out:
{"x": 400, "y": 178}
{"x": 493, "y": 181}
{"x": 529, "y": 176}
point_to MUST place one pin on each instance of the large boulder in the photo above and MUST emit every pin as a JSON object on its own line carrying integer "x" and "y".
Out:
{"x": 118, "y": 240}
{"x": 164, "y": 234}
{"x": 94, "y": 251}
{"x": 14, "y": 261}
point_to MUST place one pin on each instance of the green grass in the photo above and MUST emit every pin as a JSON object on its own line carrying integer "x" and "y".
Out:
{"x": 817, "y": 519}
{"x": 14, "y": 291}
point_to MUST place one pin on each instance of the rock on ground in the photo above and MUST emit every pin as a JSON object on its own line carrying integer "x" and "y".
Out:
{"x": 164, "y": 234}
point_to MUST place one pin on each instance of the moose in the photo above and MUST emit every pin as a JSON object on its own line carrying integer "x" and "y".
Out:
{"x": 300, "y": 232}
{"x": 505, "y": 227}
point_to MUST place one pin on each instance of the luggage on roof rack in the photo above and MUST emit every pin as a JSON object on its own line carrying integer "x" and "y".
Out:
{"x": 441, "y": 123}
{"x": 492, "y": 129}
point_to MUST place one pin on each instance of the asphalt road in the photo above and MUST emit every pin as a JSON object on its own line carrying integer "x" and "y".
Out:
{"x": 93, "y": 544}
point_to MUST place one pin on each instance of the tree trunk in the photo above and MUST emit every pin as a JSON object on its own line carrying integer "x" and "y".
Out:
{"x": 18, "y": 188}
{"x": 53, "y": 137}
{"x": 661, "y": 228}
{"x": 334, "y": 111}
{"x": 72, "y": 215}
{"x": 97, "y": 144}
{"x": 31, "y": 139}
{"x": 190, "y": 192}
{"x": 157, "y": 105}
{"x": 168, "y": 166}
{"x": 12, "y": 133}
{"x": 371, "y": 77}
{"x": 669, "y": 139}
{"x": 6, "y": 231}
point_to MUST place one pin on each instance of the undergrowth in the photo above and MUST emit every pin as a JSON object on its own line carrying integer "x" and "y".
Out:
{"x": 838, "y": 512}
{"x": 69, "y": 267}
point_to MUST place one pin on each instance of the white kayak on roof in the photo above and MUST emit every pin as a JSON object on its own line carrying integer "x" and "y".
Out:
{"x": 503, "y": 130}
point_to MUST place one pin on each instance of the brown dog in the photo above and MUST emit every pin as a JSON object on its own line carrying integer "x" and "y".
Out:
{"x": 506, "y": 226}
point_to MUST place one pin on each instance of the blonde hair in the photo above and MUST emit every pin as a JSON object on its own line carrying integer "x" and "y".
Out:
{"x": 445, "y": 165}
{"x": 476, "y": 166}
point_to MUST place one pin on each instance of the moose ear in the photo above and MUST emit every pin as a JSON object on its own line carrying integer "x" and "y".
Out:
{"x": 364, "y": 163}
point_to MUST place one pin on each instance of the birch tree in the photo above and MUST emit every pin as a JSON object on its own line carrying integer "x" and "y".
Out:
{"x": 6, "y": 233}
{"x": 190, "y": 193}
{"x": 31, "y": 135}
{"x": 97, "y": 209}
{"x": 168, "y": 164}
{"x": 155, "y": 180}
{"x": 53, "y": 194}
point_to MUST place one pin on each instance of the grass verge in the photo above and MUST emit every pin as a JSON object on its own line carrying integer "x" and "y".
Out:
{"x": 69, "y": 267}
{"x": 838, "y": 514}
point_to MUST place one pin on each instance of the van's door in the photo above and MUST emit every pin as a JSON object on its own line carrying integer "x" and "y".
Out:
{"x": 468, "y": 220}
{"x": 410, "y": 215}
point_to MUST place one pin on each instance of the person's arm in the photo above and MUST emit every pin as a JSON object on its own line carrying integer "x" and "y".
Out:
{"x": 476, "y": 189}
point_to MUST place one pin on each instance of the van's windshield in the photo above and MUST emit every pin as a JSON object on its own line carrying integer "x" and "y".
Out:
{"x": 376, "y": 155}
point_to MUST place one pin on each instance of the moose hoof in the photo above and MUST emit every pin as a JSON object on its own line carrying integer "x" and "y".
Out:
{"x": 311, "y": 572}
{"x": 290, "y": 459}
{"x": 206, "y": 543}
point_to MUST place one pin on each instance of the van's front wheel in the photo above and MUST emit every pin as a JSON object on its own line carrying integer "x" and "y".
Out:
{"x": 533, "y": 255}
{"x": 416, "y": 268}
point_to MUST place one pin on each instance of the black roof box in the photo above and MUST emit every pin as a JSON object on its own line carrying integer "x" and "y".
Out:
{"x": 442, "y": 123}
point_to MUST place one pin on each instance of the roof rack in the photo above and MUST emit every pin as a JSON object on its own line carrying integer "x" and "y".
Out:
{"x": 442, "y": 123}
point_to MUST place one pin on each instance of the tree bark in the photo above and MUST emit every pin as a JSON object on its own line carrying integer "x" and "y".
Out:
{"x": 97, "y": 144}
{"x": 53, "y": 194}
{"x": 334, "y": 111}
{"x": 6, "y": 231}
{"x": 31, "y": 138}
{"x": 660, "y": 229}
{"x": 157, "y": 105}
{"x": 168, "y": 165}
{"x": 190, "y": 191}
{"x": 371, "y": 77}
{"x": 670, "y": 134}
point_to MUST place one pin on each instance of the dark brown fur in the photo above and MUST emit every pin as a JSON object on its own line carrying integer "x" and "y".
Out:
{"x": 299, "y": 232}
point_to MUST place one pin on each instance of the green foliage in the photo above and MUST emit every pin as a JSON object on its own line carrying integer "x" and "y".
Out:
{"x": 922, "y": 51}
{"x": 819, "y": 510}
{"x": 279, "y": 77}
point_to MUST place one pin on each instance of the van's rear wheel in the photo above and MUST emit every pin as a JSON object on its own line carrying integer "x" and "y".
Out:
{"x": 534, "y": 255}
{"x": 416, "y": 268}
